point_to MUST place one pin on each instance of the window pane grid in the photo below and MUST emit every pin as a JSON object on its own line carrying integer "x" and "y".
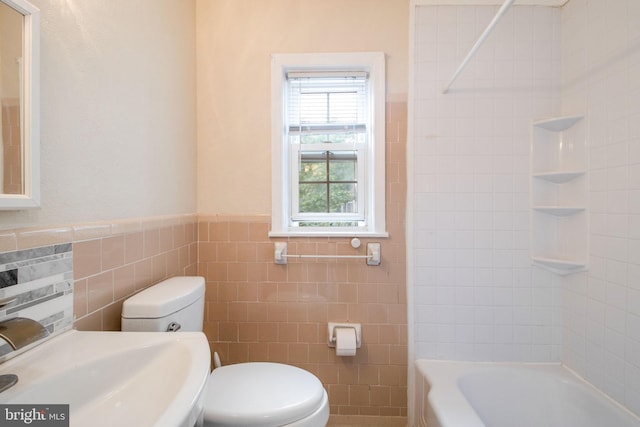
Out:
{"x": 327, "y": 182}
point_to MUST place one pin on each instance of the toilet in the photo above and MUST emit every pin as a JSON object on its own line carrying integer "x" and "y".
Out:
{"x": 256, "y": 394}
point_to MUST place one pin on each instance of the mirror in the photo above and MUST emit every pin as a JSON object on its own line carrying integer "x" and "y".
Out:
{"x": 19, "y": 105}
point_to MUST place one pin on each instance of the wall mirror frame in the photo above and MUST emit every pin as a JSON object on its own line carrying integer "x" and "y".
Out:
{"x": 29, "y": 107}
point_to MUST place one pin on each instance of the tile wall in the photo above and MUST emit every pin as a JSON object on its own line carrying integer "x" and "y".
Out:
{"x": 255, "y": 309}
{"x": 38, "y": 284}
{"x": 125, "y": 260}
{"x": 473, "y": 299}
{"x": 476, "y": 295}
{"x": 258, "y": 310}
{"x": 601, "y": 79}
{"x": 109, "y": 261}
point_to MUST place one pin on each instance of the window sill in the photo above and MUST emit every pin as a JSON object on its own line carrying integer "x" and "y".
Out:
{"x": 328, "y": 234}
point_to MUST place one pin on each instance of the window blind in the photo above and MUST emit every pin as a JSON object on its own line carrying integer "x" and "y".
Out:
{"x": 323, "y": 106}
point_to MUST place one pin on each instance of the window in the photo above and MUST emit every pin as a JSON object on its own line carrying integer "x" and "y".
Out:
{"x": 328, "y": 144}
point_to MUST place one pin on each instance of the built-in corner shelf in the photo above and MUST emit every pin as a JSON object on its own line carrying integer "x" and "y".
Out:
{"x": 559, "y": 177}
{"x": 560, "y": 266}
{"x": 557, "y": 124}
{"x": 559, "y": 194}
{"x": 559, "y": 210}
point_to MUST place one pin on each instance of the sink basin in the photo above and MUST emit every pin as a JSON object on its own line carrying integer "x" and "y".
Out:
{"x": 115, "y": 378}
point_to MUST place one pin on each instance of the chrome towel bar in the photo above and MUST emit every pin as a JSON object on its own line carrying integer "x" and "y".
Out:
{"x": 372, "y": 257}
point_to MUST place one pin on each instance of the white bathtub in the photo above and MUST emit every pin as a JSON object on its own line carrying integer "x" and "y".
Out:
{"x": 465, "y": 394}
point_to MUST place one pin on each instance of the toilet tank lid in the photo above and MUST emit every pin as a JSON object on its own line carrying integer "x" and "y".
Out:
{"x": 164, "y": 298}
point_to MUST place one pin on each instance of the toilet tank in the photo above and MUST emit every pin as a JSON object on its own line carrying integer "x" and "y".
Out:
{"x": 174, "y": 304}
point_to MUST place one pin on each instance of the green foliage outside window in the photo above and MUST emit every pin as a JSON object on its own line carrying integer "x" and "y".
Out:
{"x": 328, "y": 182}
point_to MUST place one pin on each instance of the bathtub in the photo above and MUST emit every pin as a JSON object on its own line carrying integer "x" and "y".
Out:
{"x": 466, "y": 394}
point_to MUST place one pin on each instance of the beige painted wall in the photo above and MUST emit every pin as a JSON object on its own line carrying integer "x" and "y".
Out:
{"x": 257, "y": 310}
{"x": 118, "y": 111}
{"x": 234, "y": 42}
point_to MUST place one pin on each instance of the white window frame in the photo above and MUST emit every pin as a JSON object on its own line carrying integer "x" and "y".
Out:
{"x": 283, "y": 164}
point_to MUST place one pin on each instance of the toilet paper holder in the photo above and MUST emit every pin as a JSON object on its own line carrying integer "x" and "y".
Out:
{"x": 332, "y": 332}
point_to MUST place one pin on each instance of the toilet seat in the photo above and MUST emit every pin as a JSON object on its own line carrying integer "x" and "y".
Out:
{"x": 262, "y": 394}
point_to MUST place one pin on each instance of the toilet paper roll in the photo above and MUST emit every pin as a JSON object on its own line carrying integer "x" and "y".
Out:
{"x": 346, "y": 341}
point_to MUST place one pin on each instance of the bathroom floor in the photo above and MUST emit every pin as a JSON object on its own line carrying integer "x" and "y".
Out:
{"x": 363, "y": 425}
{"x": 366, "y": 421}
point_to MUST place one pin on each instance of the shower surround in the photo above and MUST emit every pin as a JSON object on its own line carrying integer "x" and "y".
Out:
{"x": 475, "y": 294}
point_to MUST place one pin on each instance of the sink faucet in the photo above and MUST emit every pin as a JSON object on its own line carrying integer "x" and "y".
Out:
{"x": 21, "y": 331}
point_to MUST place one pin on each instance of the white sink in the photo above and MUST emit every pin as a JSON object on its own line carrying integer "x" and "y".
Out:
{"x": 116, "y": 378}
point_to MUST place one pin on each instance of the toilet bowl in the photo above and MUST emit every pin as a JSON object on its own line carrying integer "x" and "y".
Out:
{"x": 256, "y": 394}
{"x": 271, "y": 395}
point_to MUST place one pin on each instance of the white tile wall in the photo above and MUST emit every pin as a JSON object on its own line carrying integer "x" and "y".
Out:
{"x": 601, "y": 76}
{"x": 476, "y": 295}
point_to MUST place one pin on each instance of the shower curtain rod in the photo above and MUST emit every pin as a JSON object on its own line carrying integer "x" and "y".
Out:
{"x": 505, "y": 6}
